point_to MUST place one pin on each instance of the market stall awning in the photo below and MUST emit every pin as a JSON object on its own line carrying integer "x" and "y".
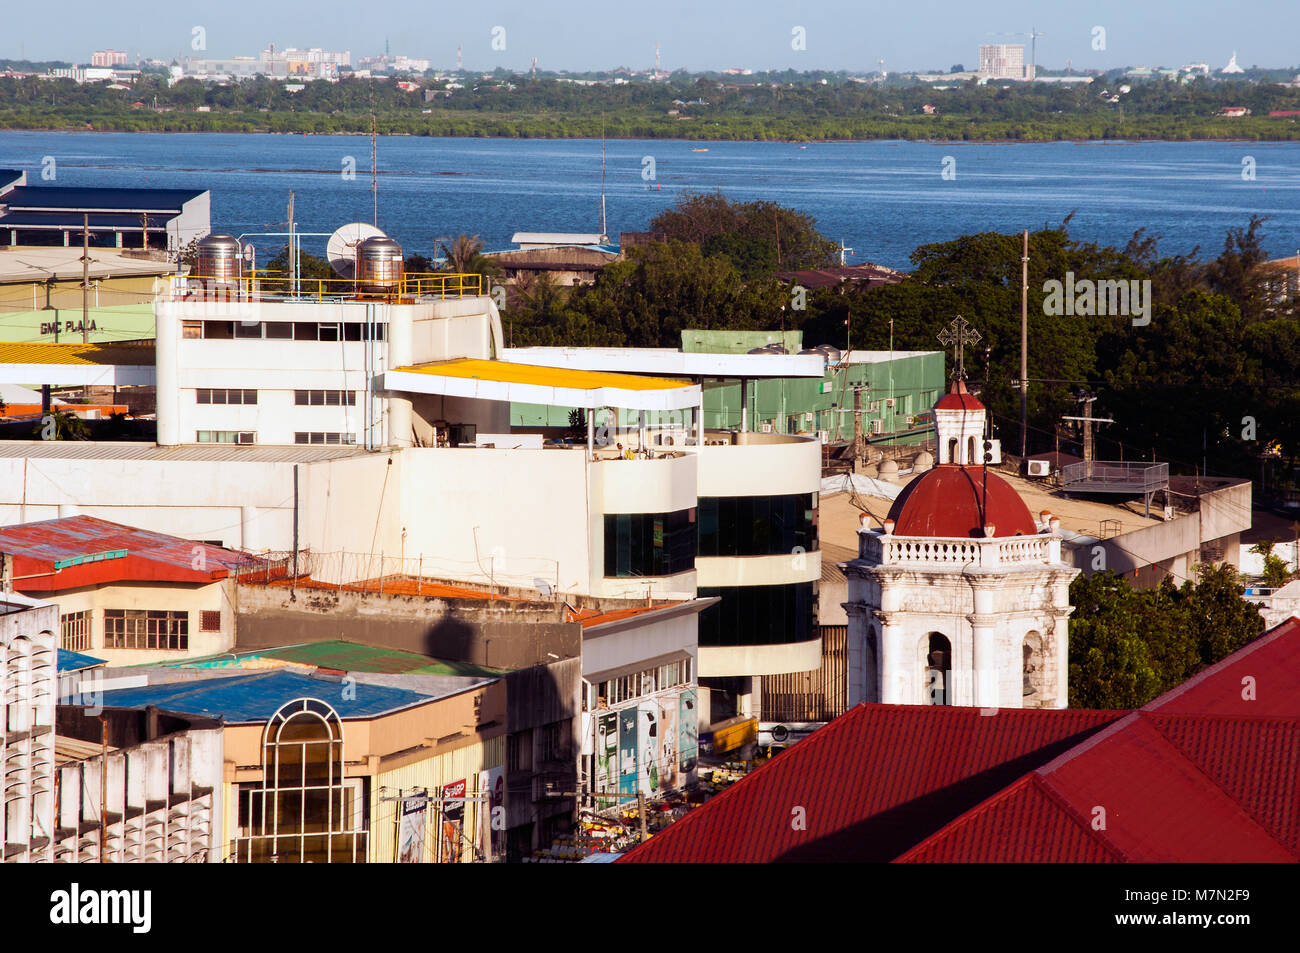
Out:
{"x": 557, "y": 387}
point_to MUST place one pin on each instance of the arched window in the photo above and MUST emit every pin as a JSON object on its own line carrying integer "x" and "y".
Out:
{"x": 971, "y": 458}
{"x": 871, "y": 667}
{"x": 952, "y": 450}
{"x": 1034, "y": 676}
{"x": 305, "y": 810}
{"x": 938, "y": 670}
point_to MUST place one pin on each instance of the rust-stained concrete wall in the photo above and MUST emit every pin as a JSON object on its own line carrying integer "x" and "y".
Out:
{"x": 506, "y": 635}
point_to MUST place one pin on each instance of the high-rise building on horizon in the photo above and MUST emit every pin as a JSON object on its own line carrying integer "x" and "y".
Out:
{"x": 1002, "y": 61}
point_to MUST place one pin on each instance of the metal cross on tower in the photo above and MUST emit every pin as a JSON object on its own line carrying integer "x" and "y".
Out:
{"x": 958, "y": 335}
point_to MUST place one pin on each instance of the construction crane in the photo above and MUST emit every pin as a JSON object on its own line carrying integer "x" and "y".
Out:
{"x": 1033, "y": 35}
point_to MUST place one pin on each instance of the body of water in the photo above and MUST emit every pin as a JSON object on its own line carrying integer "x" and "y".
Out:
{"x": 882, "y": 199}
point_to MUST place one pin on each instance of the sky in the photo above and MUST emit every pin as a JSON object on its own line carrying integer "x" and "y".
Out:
{"x": 692, "y": 34}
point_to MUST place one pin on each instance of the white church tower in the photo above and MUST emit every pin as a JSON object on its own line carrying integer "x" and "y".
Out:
{"x": 960, "y": 597}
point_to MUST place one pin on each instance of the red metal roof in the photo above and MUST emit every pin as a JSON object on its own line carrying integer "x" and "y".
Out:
{"x": 948, "y": 501}
{"x": 958, "y": 398}
{"x": 150, "y": 557}
{"x": 872, "y": 783}
{"x": 1137, "y": 796}
{"x": 1207, "y": 772}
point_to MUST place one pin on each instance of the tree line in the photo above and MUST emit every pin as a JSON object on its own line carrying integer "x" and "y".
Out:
{"x": 512, "y": 105}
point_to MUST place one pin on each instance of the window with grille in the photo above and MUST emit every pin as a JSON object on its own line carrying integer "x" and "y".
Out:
{"x": 146, "y": 629}
{"x": 210, "y": 620}
{"x": 226, "y": 436}
{"x": 317, "y": 437}
{"x": 325, "y": 398}
{"x": 75, "y": 631}
{"x": 225, "y": 395}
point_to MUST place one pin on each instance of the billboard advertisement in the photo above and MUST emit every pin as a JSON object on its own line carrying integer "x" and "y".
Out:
{"x": 453, "y": 819}
{"x": 491, "y": 821}
{"x": 607, "y": 752}
{"x": 410, "y": 829}
{"x": 688, "y": 732}
{"x": 627, "y": 751}
{"x": 648, "y": 747}
{"x": 668, "y": 779}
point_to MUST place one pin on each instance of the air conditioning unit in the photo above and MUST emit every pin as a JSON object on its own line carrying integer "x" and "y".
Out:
{"x": 807, "y": 417}
{"x": 246, "y": 436}
{"x": 889, "y": 402}
{"x": 1039, "y": 468}
{"x": 785, "y": 733}
{"x": 824, "y": 436}
{"x": 877, "y": 426}
{"x": 911, "y": 422}
{"x": 767, "y": 428}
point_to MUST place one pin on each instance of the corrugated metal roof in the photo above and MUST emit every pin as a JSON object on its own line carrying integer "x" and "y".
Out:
{"x": 201, "y": 453}
{"x": 510, "y": 373}
{"x": 872, "y": 783}
{"x": 1207, "y": 772}
{"x": 252, "y": 699}
{"x": 832, "y": 556}
{"x": 40, "y": 262}
{"x": 123, "y": 221}
{"x": 1137, "y": 796}
{"x": 26, "y": 197}
{"x": 39, "y": 548}
{"x": 344, "y": 656}
{"x": 80, "y": 354}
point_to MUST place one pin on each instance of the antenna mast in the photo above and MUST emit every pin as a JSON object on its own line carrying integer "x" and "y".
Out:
{"x": 604, "y": 235}
{"x": 374, "y": 172}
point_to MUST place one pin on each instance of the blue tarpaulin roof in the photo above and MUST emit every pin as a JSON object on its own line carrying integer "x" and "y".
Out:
{"x": 246, "y": 699}
{"x": 76, "y": 662}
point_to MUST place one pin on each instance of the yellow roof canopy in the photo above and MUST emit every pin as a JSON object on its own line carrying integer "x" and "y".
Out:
{"x": 557, "y": 387}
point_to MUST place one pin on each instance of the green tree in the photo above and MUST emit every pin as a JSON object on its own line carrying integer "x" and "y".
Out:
{"x": 464, "y": 256}
{"x": 61, "y": 425}
{"x": 1128, "y": 645}
{"x": 757, "y": 237}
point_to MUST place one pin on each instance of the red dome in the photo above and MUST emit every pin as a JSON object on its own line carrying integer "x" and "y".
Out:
{"x": 958, "y": 398}
{"x": 949, "y": 501}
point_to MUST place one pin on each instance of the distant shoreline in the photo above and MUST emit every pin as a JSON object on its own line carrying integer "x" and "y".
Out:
{"x": 1075, "y": 140}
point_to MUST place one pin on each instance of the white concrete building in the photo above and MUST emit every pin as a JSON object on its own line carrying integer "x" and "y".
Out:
{"x": 960, "y": 598}
{"x": 28, "y": 696}
{"x": 378, "y": 441}
{"x": 1002, "y": 61}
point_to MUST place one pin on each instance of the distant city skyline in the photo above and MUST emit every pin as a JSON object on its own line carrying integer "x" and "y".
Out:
{"x": 920, "y": 35}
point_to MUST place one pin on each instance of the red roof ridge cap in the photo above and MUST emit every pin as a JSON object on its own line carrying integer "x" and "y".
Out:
{"x": 1267, "y": 637}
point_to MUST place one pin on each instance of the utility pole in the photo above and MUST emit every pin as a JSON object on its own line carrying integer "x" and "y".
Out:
{"x": 374, "y": 171}
{"x": 604, "y": 235}
{"x": 293, "y": 258}
{"x": 640, "y": 810}
{"x": 85, "y": 278}
{"x": 1024, "y": 349}
{"x": 859, "y": 442}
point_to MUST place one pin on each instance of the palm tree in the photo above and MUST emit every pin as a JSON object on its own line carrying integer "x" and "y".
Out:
{"x": 464, "y": 255}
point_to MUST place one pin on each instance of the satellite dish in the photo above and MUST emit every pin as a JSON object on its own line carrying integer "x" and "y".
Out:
{"x": 342, "y": 247}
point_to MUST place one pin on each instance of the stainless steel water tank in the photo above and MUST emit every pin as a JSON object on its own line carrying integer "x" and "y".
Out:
{"x": 217, "y": 258}
{"x": 379, "y": 266}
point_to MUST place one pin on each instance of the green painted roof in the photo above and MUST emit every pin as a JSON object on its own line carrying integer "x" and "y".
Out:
{"x": 354, "y": 657}
{"x": 346, "y": 657}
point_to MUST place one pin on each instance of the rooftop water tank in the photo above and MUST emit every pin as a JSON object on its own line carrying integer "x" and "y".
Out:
{"x": 217, "y": 258}
{"x": 379, "y": 266}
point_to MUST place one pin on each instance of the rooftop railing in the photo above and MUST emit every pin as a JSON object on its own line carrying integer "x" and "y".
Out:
{"x": 1115, "y": 476}
{"x": 280, "y": 286}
